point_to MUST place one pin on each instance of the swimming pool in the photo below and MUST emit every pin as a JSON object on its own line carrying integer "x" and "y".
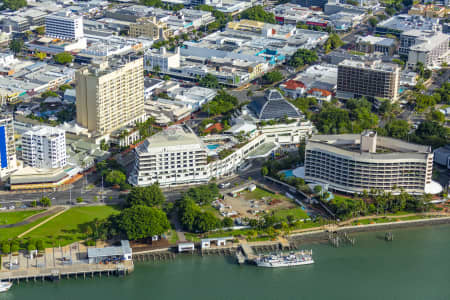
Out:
{"x": 213, "y": 147}
{"x": 400, "y": 90}
{"x": 287, "y": 173}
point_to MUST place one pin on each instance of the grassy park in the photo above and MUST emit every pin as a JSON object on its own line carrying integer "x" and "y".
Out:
{"x": 13, "y": 232}
{"x": 259, "y": 194}
{"x": 13, "y": 217}
{"x": 65, "y": 228}
{"x": 388, "y": 219}
{"x": 298, "y": 213}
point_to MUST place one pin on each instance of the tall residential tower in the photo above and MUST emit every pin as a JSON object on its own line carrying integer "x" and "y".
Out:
{"x": 110, "y": 95}
{"x": 373, "y": 79}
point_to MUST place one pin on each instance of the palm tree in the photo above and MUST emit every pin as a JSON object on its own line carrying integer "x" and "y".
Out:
{"x": 157, "y": 69}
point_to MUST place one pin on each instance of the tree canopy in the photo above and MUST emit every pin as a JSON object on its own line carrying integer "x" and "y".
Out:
{"x": 204, "y": 194}
{"x": 14, "y": 4}
{"x": 373, "y": 21}
{"x": 148, "y": 196}
{"x": 63, "y": 58}
{"x": 442, "y": 94}
{"x": 396, "y": 128}
{"x": 378, "y": 202}
{"x": 16, "y": 45}
{"x": 115, "y": 177}
{"x": 431, "y": 133}
{"x": 193, "y": 219}
{"x": 257, "y": 13}
{"x": 49, "y": 93}
{"x": 139, "y": 222}
{"x": 333, "y": 42}
{"x": 209, "y": 81}
{"x": 45, "y": 201}
{"x": 333, "y": 120}
{"x": 424, "y": 101}
{"x": 436, "y": 115}
{"x": 273, "y": 76}
{"x": 302, "y": 57}
{"x": 221, "y": 104}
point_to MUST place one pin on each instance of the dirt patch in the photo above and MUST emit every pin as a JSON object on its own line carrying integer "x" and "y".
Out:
{"x": 252, "y": 204}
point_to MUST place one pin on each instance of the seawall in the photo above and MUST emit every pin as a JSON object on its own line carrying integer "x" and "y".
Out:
{"x": 322, "y": 235}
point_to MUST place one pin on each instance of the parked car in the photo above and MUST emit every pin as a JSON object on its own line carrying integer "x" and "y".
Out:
{"x": 224, "y": 185}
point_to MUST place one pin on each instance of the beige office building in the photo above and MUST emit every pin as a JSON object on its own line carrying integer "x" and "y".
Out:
{"x": 373, "y": 79}
{"x": 150, "y": 27}
{"x": 110, "y": 95}
{"x": 354, "y": 163}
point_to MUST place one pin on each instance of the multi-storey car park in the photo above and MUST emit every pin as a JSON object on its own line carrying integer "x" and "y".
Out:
{"x": 354, "y": 163}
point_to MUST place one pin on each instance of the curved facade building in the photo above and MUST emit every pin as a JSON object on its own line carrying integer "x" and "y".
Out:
{"x": 353, "y": 163}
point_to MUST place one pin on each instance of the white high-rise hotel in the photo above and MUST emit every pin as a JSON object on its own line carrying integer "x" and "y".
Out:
{"x": 44, "y": 147}
{"x": 64, "y": 26}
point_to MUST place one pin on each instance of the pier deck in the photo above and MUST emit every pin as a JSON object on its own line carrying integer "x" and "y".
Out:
{"x": 53, "y": 263}
{"x": 248, "y": 251}
{"x": 67, "y": 271}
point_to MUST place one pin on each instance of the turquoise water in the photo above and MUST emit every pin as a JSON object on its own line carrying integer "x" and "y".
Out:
{"x": 415, "y": 266}
{"x": 213, "y": 147}
{"x": 400, "y": 90}
{"x": 288, "y": 173}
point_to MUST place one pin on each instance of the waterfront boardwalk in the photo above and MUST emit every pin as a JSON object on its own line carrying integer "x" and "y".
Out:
{"x": 80, "y": 270}
{"x": 54, "y": 263}
{"x": 248, "y": 251}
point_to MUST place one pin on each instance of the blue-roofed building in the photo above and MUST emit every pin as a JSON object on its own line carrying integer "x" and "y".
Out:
{"x": 273, "y": 106}
{"x": 8, "y": 162}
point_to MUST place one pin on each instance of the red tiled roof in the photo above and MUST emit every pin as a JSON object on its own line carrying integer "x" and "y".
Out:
{"x": 324, "y": 93}
{"x": 216, "y": 126}
{"x": 293, "y": 84}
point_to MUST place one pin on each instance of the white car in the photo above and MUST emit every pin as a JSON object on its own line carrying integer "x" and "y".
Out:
{"x": 224, "y": 185}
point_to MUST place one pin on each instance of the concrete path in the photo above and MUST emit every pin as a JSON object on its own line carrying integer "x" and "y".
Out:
{"x": 35, "y": 217}
{"x": 179, "y": 230}
{"x": 349, "y": 221}
{"x": 43, "y": 222}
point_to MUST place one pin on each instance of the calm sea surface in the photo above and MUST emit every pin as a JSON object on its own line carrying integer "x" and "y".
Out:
{"x": 416, "y": 265}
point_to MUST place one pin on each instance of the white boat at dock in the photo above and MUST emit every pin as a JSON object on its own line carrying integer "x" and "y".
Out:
{"x": 279, "y": 260}
{"x": 5, "y": 286}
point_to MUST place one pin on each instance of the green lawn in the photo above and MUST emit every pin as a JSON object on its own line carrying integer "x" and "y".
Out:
{"x": 16, "y": 216}
{"x": 258, "y": 194}
{"x": 64, "y": 229}
{"x": 211, "y": 209}
{"x": 192, "y": 237}
{"x": 357, "y": 53}
{"x": 306, "y": 225}
{"x": 339, "y": 197}
{"x": 10, "y": 233}
{"x": 298, "y": 213}
{"x": 388, "y": 219}
{"x": 173, "y": 236}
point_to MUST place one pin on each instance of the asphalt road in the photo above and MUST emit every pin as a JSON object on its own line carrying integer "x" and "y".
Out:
{"x": 85, "y": 189}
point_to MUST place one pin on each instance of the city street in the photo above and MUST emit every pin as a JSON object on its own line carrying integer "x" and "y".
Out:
{"x": 83, "y": 188}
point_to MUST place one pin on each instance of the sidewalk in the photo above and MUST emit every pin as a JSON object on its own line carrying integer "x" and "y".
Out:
{"x": 43, "y": 222}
